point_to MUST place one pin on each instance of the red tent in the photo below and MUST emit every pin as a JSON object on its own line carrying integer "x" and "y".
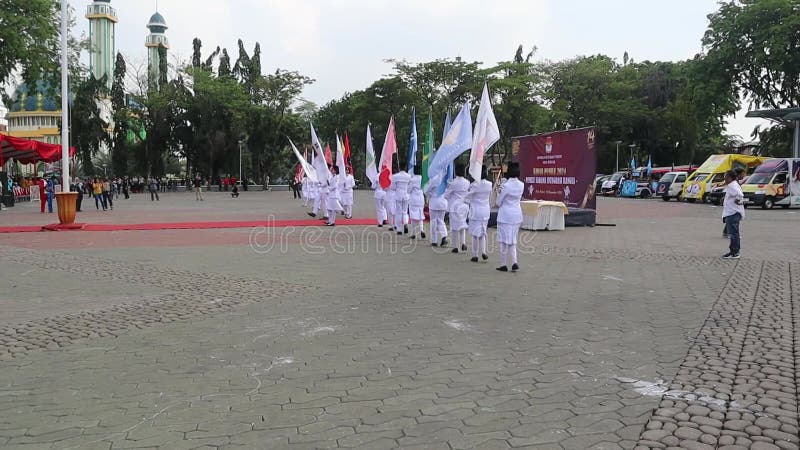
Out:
{"x": 29, "y": 151}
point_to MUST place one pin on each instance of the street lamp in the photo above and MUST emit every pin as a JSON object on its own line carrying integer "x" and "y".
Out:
{"x": 617, "y": 166}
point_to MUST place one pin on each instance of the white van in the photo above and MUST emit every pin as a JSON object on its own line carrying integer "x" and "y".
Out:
{"x": 671, "y": 185}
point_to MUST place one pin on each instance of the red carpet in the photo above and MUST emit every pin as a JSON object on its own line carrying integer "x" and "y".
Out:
{"x": 194, "y": 225}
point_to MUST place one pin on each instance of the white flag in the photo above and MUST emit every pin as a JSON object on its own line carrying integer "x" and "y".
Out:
{"x": 372, "y": 170}
{"x": 485, "y": 135}
{"x": 319, "y": 164}
{"x": 310, "y": 171}
{"x": 340, "y": 157}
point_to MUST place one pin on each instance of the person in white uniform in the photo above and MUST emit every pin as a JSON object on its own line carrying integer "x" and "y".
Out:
{"x": 315, "y": 193}
{"x": 416, "y": 206}
{"x": 333, "y": 202}
{"x": 456, "y": 191}
{"x": 401, "y": 180}
{"x": 304, "y": 191}
{"x": 390, "y": 204}
{"x": 509, "y": 217}
{"x": 380, "y": 206}
{"x": 478, "y": 200}
{"x": 437, "y": 206}
{"x": 347, "y": 185}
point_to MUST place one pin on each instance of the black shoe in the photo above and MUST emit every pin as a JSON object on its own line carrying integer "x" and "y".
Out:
{"x": 514, "y": 267}
{"x": 455, "y": 250}
{"x": 474, "y": 259}
{"x": 405, "y": 229}
{"x": 444, "y": 242}
{"x": 391, "y": 228}
{"x": 422, "y": 235}
{"x": 330, "y": 224}
{"x": 503, "y": 269}
{"x": 463, "y": 247}
{"x": 485, "y": 256}
{"x": 412, "y": 237}
{"x": 312, "y": 214}
{"x": 731, "y": 256}
{"x": 380, "y": 225}
{"x": 386, "y": 222}
{"x": 324, "y": 218}
{"x": 399, "y": 233}
{"x": 434, "y": 244}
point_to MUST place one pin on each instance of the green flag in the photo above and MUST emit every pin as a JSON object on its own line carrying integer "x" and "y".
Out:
{"x": 427, "y": 150}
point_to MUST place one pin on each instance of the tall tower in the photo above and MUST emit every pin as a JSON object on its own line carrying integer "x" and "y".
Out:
{"x": 102, "y": 19}
{"x": 156, "y": 41}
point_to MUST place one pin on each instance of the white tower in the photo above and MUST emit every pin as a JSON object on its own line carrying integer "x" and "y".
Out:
{"x": 102, "y": 20}
{"x": 155, "y": 41}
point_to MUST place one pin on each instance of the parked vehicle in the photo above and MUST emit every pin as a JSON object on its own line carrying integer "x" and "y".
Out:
{"x": 636, "y": 188}
{"x": 717, "y": 195}
{"x": 671, "y": 185}
{"x": 598, "y": 182}
{"x": 712, "y": 173}
{"x": 612, "y": 185}
{"x": 771, "y": 184}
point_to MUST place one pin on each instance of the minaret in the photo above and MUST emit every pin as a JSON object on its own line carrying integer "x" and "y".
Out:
{"x": 154, "y": 42}
{"x": 102, "y": 19}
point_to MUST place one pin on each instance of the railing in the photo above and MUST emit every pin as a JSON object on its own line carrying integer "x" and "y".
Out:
{"x": 152, "y": 40}
{"x": 101, "y": 10}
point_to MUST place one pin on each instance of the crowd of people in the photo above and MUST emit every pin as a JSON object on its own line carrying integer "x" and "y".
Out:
{"x": 401, "y": 207}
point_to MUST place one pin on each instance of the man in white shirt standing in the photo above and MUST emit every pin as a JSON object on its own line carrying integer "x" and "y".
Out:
{"x": 347, "y": 185}
{"x": 733, "y": 213}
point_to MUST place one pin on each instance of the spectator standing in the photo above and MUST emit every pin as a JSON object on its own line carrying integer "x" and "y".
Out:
{"x": 153, "y": 188}
{"x": 733, "y": 213}
{"x": 97, "y": 192}
{"x": 108, "y": 194}
{"x": 198, "y": 189}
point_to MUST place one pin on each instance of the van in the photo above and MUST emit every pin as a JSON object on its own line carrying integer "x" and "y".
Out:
{"x": 712, "y": 173}
{"x": 776, "y": 182}
{"x": 671, "y": 185}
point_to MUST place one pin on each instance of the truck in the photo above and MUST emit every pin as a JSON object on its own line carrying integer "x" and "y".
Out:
{"x": 774, "y": 183}
{"x": 712, "y": 173}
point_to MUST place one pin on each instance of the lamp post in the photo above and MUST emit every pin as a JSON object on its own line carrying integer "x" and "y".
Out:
{"x": 617, "y": 165}
{"x": 64, "y": 101}
{"x": 632, "y": 146}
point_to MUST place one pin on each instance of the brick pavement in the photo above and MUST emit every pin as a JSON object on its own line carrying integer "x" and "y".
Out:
{"x": 605, "y": 340}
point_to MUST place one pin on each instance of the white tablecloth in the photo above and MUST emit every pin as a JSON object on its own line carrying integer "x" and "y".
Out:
{"x": 540, "y": 215}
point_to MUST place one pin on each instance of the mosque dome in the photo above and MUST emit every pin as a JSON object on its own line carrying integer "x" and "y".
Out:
{"x": 40, "y": 99}
{"x": 157, "y": 23}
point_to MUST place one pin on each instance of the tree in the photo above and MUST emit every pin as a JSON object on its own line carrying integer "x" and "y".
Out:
{"x": 88, "y": 130}
{"x": 119, "y": 150}
{"x": 29, "y": 32}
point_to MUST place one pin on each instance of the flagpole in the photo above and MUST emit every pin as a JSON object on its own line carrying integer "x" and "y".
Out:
{"x": 64, "y": 101}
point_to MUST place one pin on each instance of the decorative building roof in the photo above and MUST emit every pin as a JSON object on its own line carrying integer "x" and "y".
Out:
{"x": 41, "y": 99}
{"x": 157, "y": 23}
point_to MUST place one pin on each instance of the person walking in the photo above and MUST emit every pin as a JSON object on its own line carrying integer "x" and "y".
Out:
{"x": 153, "y": 188}
{"x": 50, "y": 190}
{"x": 380, "y": 206}
{"x": 509, "y": 218}
{"x": 332, "y": 203}
{"x": 733, "y": 213}
{"x": 457, "y": 189}
{"x": 97, "y": 192}
{"x": 416, "y": 205}
{"x": 347, "y": 185}
{"x": 108, "y": 194}
{"x": 42, "y": 183}
{"x": 479, "y": 211}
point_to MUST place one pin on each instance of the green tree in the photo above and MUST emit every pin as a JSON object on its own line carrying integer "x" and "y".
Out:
{"x": 29, "y": 33}
{"x": 119, "y": 149}
{"x": 88, "y": 130}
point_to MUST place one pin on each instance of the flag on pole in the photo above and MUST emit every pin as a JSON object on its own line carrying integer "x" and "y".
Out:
{"x": 328, "y": 155}
{"x": 451, "y": 168}
{"x": 319, "y": 160}
{"x": 307, "y": 169}
{"x": 387, "y": 156}
{"x": 412, "y": 145}
{"x": 371, "y": 169}
{"x": 633, "y": 164}
{"x": 340, "y": 156}
{"x": 457, "y": 141}
{"x": 427, "y": 150}
{"x": 486, "y": 134}
{"x": 348, "y": 160}
{"x": 649, "y": 165}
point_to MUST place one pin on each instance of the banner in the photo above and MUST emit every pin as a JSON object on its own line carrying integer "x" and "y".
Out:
{"x": 558, "y": 166}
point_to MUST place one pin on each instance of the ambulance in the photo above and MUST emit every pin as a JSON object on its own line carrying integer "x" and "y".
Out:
{"x": 712, "y": 173}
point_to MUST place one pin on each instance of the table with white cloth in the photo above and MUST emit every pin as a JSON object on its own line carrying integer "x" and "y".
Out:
{"x": 543, "y": 215}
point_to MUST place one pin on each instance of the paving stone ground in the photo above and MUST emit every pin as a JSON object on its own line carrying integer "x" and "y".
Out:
{"x": 634, "y": 336}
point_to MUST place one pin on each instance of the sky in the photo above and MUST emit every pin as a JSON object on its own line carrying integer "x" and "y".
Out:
{"x": 343, "y": 44}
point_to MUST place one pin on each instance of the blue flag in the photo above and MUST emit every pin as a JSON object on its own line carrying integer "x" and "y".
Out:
{"x": 457, "y": 141}
{"x": 450, "y": 167}
{"x": 412, "y": 145}
{"x": 633, "y": 164}
{"x": 649, "y": 165}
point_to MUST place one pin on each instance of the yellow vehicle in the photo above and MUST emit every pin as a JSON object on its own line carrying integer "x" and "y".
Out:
{"x": 712, "y": 173}
{"x": 774, "y": 183}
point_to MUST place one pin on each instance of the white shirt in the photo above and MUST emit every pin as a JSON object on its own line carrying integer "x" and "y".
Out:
{"x": 478, "y": 198}
{"x": 733, "y": 192}
{"x": 348, "y": 183}
{"x": 508, "y": 199}
{"x": 416, "y": 197}
{"x": 400, "y": 181}
{"x": 456, "y": 190}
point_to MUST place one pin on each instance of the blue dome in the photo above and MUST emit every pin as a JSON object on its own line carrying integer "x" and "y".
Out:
{"x": 157, "y": 23}
{"x": 41, "y": 99}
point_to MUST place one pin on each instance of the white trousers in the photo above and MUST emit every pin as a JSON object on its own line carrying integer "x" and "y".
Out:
{"x": 438, "y": 227}
{"x": 380, "y": 210}
{"x": 400, "y": 214}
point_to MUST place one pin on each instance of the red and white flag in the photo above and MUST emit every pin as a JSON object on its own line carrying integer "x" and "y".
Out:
{"x": 387, "y": 156}
{"x": 486, "y": 133}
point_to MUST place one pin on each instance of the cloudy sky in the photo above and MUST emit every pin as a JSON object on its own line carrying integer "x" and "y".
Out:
{"x": 343, "y": 43}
